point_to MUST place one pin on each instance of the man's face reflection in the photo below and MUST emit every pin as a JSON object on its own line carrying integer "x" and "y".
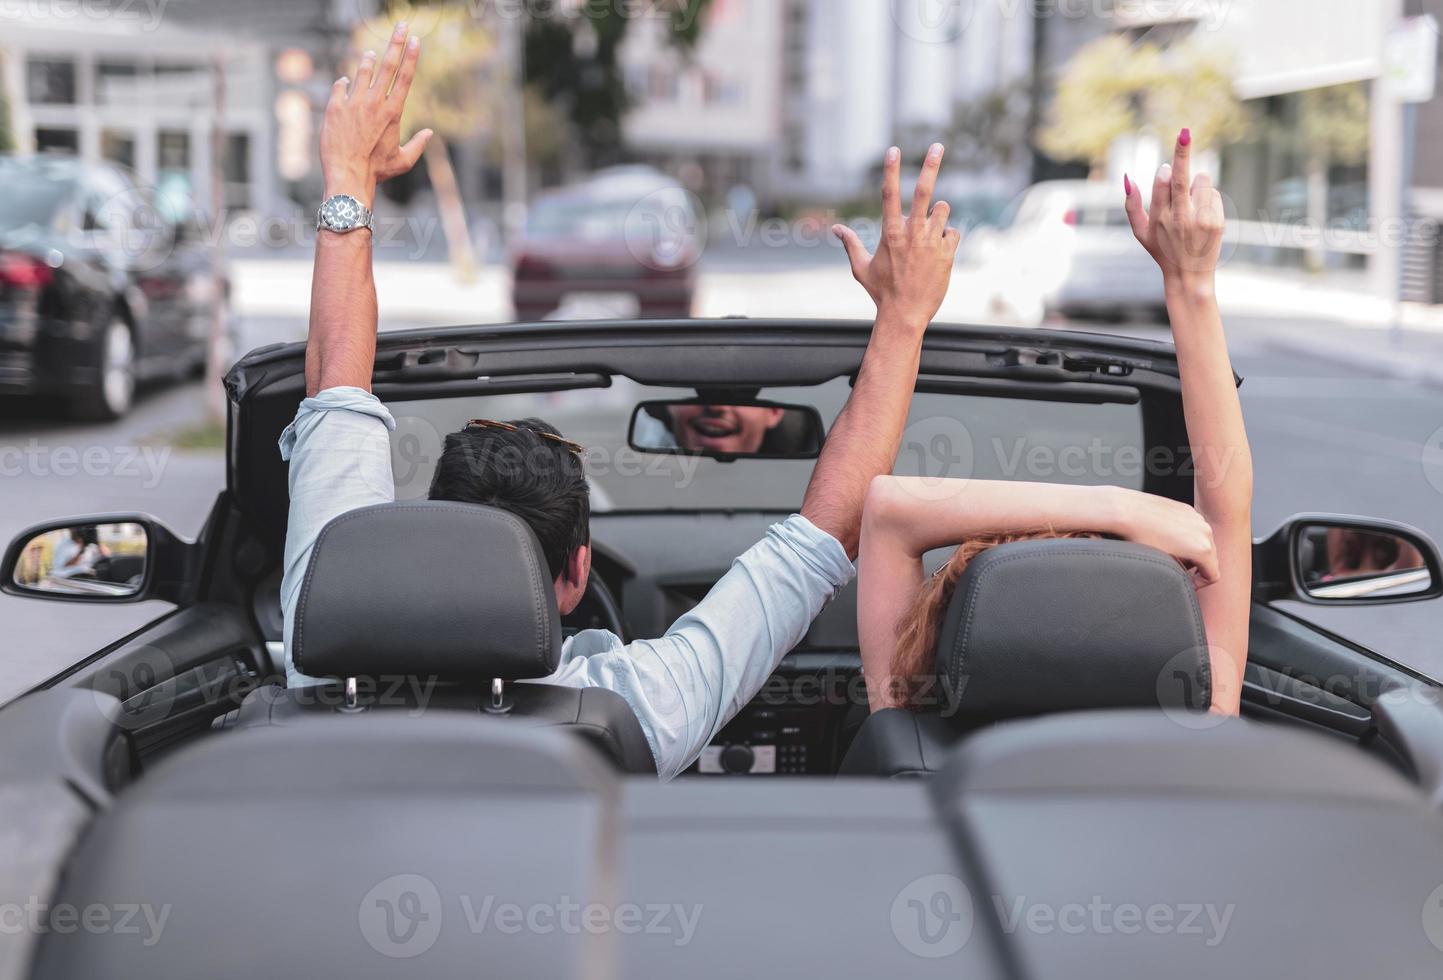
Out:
{"x": 726, "y": 429}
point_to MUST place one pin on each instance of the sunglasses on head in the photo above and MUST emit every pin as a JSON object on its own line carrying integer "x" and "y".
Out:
{"x": 567, "y": 444}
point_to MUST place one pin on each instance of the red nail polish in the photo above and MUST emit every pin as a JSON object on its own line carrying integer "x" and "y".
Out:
{"x": 1126, "y": 185}
{"x": 1186, "y": 138}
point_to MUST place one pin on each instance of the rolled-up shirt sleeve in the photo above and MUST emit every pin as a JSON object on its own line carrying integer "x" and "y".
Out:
{"x": 339, "y": 451}
{"x": 686, "y": 685}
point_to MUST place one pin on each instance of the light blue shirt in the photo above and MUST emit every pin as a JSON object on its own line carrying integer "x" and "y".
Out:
{"x": 684, "y": 686}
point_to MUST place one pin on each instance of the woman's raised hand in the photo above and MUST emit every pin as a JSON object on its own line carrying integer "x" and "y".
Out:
{"x": 1183, "y": 228}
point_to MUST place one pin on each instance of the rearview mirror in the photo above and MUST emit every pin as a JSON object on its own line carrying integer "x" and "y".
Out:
{"x": 124, "y": 558}
{"x": 1347, "y": 560}
{"x": 750, "y": 430}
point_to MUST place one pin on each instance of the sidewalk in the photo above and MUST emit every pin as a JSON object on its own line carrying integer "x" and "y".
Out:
{"x": 1333, "y": 317}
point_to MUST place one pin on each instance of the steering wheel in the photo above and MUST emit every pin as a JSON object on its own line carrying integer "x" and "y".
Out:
{"x": 598, "y": 609}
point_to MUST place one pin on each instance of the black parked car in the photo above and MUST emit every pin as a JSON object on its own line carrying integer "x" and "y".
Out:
{"x": 100, "y": 287}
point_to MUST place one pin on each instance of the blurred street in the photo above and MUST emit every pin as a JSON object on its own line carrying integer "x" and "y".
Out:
{"x": 1350, "y": 433}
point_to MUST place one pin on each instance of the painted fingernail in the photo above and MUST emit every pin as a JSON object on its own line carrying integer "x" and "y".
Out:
{"x": 415, "y": 42}
{"x": 935, "y": 151}
{"x": 1164, "y": 172}
{"x": 1185, "y": 138}
{"x": 893, "y": 155}
{"x": 369, "y": 56}
{"x": 1126, "y": 185}
{"x": 401, "y": 27}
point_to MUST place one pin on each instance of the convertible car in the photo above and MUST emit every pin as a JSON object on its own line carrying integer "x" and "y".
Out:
{"x": 1065, "y": 810}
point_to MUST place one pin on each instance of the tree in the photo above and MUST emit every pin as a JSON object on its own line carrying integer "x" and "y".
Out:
{"x": 449, "y": 98}
{"x": 573, "y": 61}
{"x": 990, "y": 131}
{"x": 1114, "y": 88}
{"x": 7, "y": 139}
{"x": 1334, "y": 128}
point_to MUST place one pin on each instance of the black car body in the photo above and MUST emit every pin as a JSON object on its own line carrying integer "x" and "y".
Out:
{"x": 358, "y": 838}
{"x": 100, "y": 289}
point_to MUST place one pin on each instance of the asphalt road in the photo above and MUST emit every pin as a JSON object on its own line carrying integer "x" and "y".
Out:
{"x": 1325, "y": 439}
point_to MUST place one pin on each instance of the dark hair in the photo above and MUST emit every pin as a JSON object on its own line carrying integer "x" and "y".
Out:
{"x": 538, "y": 480}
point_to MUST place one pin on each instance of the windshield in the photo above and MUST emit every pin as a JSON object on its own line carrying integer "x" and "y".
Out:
{"x": 947, "y": 436}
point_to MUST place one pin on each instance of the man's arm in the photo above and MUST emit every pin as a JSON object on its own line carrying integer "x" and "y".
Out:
{"x": 686, "y": 685}
{"x": 1184, "y": 233}
{"x": 338, "y": 449}
{"x": 908, "y": 279}
{"x": 360, "y": 147}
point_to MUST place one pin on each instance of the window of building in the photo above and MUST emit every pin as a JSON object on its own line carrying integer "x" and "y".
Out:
{"x": 58, "y": 139}
{"x": 119, "y": 82}
{"x": 182, "y": 85}
{"x": 50, "y": 81}
{"x": 118, "y": 146}
{"x": 236, "y": 171}
{"x": 721, "y": 90}
{"x": 174, "y": 189}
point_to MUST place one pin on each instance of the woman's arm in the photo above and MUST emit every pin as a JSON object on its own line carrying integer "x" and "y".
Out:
{"x": 1184, "y": 233}
{"x": 905, "y": 517}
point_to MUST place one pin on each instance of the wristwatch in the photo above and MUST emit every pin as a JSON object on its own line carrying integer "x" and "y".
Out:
{"x": 342, "y": 213}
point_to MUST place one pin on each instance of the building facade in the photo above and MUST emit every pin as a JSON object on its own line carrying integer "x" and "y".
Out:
{"x": 144, "y": 96}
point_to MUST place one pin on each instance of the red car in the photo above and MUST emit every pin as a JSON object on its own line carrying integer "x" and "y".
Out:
{"x": 623, "y": 244}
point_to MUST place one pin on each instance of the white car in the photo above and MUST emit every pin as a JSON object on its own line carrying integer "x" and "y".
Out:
{"x": 1068, "y": 250}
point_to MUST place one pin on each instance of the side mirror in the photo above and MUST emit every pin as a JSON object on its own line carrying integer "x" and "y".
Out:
{"x": 1328, "y": 559}
{"x": 735, "y": 430}
{"x": 111, "y": 558}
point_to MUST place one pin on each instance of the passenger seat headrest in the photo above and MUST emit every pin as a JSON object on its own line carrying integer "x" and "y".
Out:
{"x": 433, "y": 589}
{"x": 1036, "y": 627}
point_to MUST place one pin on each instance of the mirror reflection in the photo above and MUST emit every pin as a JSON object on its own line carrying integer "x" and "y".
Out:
{"x": 87, "y": 559}
{"x": 1347, "y": 563}
{"x": 755, "y": 430}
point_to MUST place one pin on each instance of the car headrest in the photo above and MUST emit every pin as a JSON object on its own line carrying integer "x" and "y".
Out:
{"x": 1066, "y": 624}
{"x": 436, "y": 589}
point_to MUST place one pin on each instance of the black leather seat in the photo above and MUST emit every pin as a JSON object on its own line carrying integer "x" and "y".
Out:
{"x": 437, "y": 606}
{"x": 1038, "y": 627}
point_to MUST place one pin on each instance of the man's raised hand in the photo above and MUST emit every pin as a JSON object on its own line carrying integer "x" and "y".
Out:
{"x": 910, "y": 273}
{"x": 361, "y": 135}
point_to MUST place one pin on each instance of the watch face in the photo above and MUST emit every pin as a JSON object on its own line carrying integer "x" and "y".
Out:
{"x": 341, "y": 213}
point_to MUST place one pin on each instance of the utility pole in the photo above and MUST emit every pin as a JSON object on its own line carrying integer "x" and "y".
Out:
{"x": 215, "y": 345}
{"x": 513, "y": 121}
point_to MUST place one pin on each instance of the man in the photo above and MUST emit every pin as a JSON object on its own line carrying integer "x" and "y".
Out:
{"x": 724, "y": 429}
{"x": 686, "y": 685}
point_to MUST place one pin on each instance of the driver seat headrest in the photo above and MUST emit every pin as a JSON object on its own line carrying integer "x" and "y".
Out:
{"x": 1036, "y": 627}
{"x": 451, "y": 591}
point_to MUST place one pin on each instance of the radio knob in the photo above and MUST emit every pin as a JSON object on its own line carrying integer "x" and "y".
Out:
{"x": 737, "y": 758}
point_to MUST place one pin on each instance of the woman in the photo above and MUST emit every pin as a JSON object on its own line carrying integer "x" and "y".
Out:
{"x": 900, "y": 609}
